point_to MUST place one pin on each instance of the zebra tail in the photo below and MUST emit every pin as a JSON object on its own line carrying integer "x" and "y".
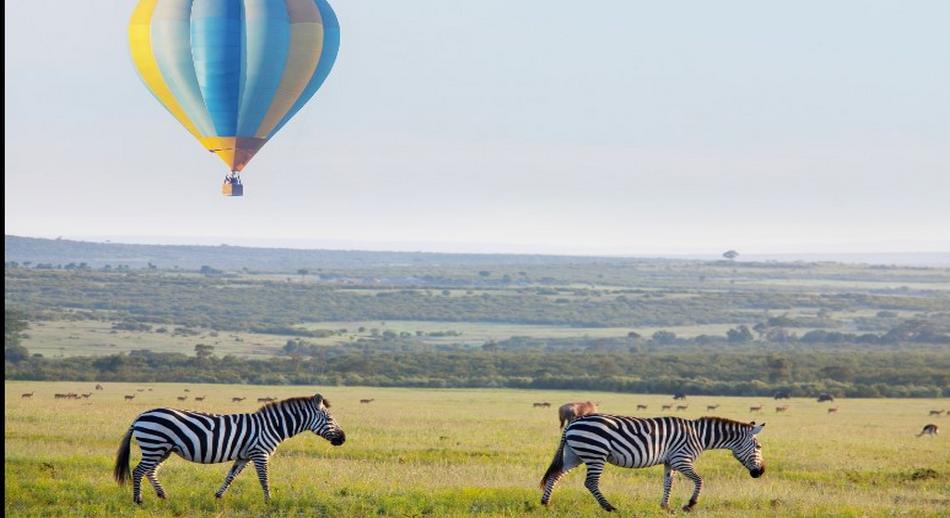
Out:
{"x": 121, "y": 472}
{"x": 557, "y": 465}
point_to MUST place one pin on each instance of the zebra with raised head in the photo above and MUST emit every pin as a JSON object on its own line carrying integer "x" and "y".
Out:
{"x": 211, "y": 438}
{"x": 632, "y": 442}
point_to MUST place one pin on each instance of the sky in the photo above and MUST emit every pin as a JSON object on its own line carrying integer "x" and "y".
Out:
{"x": 609, "y": 127}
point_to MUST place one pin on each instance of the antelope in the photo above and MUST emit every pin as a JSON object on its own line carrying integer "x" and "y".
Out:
{"x": 371, "y": 400}
{"x": 187, "y": 390}
{"x": 755, "y": 408}
{"x": 571, "y": 411}
{"x": 201, "y": 398}
{"x": 99, "y": 387}
{"x": 140, "y": 390}
{"x": 936, "y": 412}
{"x": 930, "y": 429}
{"x": 711, "y": 407}
{"x": 182, "y": 398}
{"x": 237, "y": 399}
{"x": 28, "y": 395}
{"x": 129, "y": 397}
{"x": 641, "y": 407}
{"x": 265, "y": 399}
{"x": 781, "y": 408}
{"x": 832, "y": 410}
{"x": 681, "y": 407}
{"x": 667, "y": 407}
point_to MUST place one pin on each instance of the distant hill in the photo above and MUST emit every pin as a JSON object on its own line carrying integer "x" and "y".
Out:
{"x": 193, "y": 257}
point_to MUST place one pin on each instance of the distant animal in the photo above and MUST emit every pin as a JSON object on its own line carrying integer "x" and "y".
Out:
{"x": 755, "y": 408}
{"x": 182, "y": 398}
{"x": 595, "y": 440}
{"x": 783, "y": 394}
{"x": 266, "y": 399}
{"x": 824, "y": 396}
{"x": 200, "y": 398}
{"x": 544, "y": 404}
{"x": 99, "y": 387}
{"x": 140, "y": 390}
{"x": 238, "y": 399}
{"x": 930, "y": 429}
{"x": 569, "y": 411}
{"x": 129, "y": 398}
{"x": 832, "y": 410}
{"x": 781, "y": 408}
{"x": 86, "y": 395}
{"x": 367, "y": 400}
{"x": 187, "y": 390}
{"x": 681, "y": 407}
{"x": 28, "y": 394}
{"x": 679, "y": 395}
{"x": 208, "y": 438}
{"x": 149, "y": 389}
{"x": 641, "y": 407}
{"x": 667, "y": 407}
{"x": 711, "y": 407}
{"x": 936, "y": 412}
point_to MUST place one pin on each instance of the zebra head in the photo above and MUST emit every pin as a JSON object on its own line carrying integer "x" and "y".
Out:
{"x": 748, "y": 451}
{"x": 323, "y": 424}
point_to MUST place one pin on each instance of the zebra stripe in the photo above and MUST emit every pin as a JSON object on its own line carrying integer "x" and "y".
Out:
{"x": 632, "y": 442}
{"x": 212, "y": 438}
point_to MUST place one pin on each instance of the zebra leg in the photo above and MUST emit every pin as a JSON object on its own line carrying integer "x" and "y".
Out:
{"x": 594, "y": 470}
{"x": 152, "y": 476}
{"x": 688, "y": 471}
{"x": 260, "y": 463}
{"x": 146, "y": 465}
{"x": 235, "y": 471}
{"x": 571, "y": 461}
{"x": 667, "y": 486}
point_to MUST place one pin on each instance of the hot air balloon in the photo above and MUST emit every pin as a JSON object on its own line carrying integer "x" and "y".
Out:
{"x": 233, "y": 72}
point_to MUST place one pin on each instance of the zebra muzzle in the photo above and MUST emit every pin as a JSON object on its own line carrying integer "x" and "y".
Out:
{"x": 756, "y": 473}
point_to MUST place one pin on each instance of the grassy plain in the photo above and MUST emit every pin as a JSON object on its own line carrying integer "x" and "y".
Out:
{"x": 440, "y": 453}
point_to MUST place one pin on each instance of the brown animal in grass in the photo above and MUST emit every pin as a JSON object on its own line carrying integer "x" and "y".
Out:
{"x": 237, "y": 399}
{"x": 930, "y": 429}
{"x": 86, "y": 395}
{"x": 545, "y": 404}
{"x": 182, "y": 398}
{"x": 667, "y": 407}
{"x": 781, "y": 408}
{"x": 140, "y": 390}
{"x": 832, "y": 410}
{"x": 571, "y": 411}
{"x": 367, "y": 401}
{"x": 681, "y": 407}
{"x": 187, "y": 390}
{"x": 266, "y": 399}
{"x": 641, "y": 407}
{"x": 200, "y": 398}
{"x": 99, "y": 387}
{"x": 28, "y": 394}
{"x": 129, "y": 397}
{"x": 936, "y": 412}
{"x": 711, "y": 407}
{"x": 755, "y": 409}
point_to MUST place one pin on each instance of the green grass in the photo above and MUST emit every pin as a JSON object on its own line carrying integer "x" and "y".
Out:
{"x": 468, "y": 452}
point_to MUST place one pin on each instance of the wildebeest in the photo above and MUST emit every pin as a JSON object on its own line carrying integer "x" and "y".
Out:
{"x": 755, "y": 408}
{"x": 641, "y": 407}
{"x": 936, "y": 412}
{"x": 781, "y": 408}
{"x": 824, "y": 396}
{"x": 711, "y": 407}
{"x": 99, "y": 387}
{"x": 570, "y": 411}
{"x": 679, "y": 395}
{"x": 182, "y": 398}
{"x": 28, "y": 394}
{"x": 367, "y": 401}
{"x": 930, "y": 429}
{"x": 238, "y": 399}
{"x": 667, "y": 407}
{"x": 783, "y": 394}
{"x": 681, "y": 407}
{"x": 129, "y": 397}
{"x": 832, "y": 410}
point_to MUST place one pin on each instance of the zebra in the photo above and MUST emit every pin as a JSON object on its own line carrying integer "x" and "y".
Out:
{"x": 633, "y": 442}
{"x": 211, "y": 438}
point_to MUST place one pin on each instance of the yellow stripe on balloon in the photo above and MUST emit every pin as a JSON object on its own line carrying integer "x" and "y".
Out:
{"x": 306, "y": 45}
{"x": 140, "y": 44}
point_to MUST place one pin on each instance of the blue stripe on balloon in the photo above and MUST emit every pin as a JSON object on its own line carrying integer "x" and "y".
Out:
{"x": 267, "y": 44}
{"x": 331, "y": 45}
{"x": 170, "y": 29}
{"x": 216, "y": 44}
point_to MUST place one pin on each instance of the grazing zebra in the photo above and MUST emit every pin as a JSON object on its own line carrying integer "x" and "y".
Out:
{"x": 632, "y": 442}
{"x": 711, "y": 407}
{"x": 212, "y": 438}
{"x": 641, "y": 407}
{"x": 930, "y": 429}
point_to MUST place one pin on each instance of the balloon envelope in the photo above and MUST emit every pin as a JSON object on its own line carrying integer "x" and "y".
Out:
{"x": 233, "y": 72}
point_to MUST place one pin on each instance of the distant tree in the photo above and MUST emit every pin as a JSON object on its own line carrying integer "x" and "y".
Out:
{"x": 739, "y": 335}
{"x": 731, "y": 255}
{"x": 203, "y": 351}
{"x": 303, "y": 272}
{"x": 484, "y": 273}
{"x": 664, "y": 337}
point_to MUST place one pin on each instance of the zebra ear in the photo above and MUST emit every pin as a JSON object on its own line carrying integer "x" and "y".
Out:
{"x": 756, "y": 429}
{"x": 317, "y": 399}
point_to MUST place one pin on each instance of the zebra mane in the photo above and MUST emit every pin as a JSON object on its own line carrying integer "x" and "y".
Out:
{"x": 724, "y": 420}
{"x": 303, "y": 400}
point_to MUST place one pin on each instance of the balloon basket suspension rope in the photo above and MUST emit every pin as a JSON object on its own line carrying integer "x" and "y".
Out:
{"x": 232, "y": 185}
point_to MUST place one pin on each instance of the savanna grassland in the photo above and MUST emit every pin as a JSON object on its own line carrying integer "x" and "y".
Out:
{"x": 462, "y": 452}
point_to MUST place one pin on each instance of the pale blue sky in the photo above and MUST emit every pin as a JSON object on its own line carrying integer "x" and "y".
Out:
{"x": 583, "y": 127}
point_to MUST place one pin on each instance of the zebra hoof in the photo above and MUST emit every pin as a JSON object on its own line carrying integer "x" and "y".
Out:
{"x": 162, "y": 496}
{"x": 687, "y": 508}
{"x": 609, "y": 508}
{"x": 218, "y": 495}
